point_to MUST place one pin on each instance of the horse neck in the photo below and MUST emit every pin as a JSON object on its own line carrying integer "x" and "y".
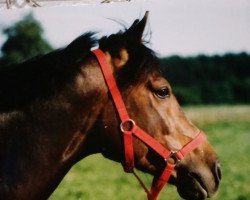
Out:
{"x": 44, "y": 141}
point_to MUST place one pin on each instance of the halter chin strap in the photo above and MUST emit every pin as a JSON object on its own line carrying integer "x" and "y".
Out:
{"x": 175, "y": 156}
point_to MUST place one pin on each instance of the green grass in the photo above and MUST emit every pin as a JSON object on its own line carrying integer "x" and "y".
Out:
{"x": 227, "y": 128}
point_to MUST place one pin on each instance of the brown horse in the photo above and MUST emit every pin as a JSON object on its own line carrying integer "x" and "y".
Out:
{"x": 56, "y": 109}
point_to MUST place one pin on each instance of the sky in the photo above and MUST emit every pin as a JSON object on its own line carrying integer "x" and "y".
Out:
{"x": 177, "y": 26}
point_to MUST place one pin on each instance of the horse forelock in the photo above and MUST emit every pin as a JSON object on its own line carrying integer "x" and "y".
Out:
{"x": 142, "y": 60}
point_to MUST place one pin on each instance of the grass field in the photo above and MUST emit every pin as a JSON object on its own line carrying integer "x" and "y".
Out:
{"x": 227, "y": 128}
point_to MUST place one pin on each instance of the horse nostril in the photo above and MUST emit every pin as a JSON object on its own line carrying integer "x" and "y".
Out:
{"x": 217, "y": 172}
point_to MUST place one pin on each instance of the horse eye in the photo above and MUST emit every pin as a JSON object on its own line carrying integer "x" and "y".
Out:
{"x": 162, "y": 93}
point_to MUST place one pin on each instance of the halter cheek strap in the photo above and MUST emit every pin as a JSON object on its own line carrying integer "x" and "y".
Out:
{"x": 134, "y": 130}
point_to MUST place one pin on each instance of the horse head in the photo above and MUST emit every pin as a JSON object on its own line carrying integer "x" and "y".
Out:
{"x": 150, "y": 102}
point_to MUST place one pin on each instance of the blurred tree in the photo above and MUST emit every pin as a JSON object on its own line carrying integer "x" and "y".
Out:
{"x": 205, "y": 79}
{"x": 24, "y": 40}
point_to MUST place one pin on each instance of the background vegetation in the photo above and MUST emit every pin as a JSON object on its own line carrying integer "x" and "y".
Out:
{"x": 209, "y": 79}
{"x": 24, "y": 40}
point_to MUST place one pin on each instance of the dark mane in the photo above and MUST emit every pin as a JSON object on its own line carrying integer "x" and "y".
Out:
{"x": 42, "y": 76}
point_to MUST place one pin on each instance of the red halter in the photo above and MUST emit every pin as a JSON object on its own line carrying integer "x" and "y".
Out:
{"x": 158, "y": 183}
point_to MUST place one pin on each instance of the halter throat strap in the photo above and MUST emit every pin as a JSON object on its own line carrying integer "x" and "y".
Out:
{"x": 134, "y": 130}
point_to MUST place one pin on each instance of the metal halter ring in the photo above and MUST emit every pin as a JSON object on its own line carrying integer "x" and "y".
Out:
{"x": 174, "y": 157}
{"x": 131, "y": 124}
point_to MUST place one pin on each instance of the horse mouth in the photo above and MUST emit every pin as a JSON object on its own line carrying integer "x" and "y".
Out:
{"x": 192, "y": 188}
{"x": 199, "y": 184}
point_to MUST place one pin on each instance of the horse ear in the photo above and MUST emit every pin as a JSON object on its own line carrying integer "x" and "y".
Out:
{"x": 120, "y": 61}
{"x": 135, "y": 31}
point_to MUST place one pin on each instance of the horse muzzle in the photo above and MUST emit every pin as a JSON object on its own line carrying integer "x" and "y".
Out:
{"x": 198, "y": 183}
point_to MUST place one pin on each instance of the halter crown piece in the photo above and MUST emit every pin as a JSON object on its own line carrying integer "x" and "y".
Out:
{"x": 134, "y": 130}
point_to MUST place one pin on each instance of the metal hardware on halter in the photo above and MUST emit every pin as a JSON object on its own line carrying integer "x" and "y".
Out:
{"x": 131, "y": 124}
{"x": 174, "y": 157}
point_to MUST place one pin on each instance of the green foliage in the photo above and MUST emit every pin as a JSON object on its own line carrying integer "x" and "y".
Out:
{"x": 227, "y": 128}
{"x": 184, "y": 97}
{"x": 232, "y": 144}
{"x": 24, "y": 40}
{"x": 209, "y": 79}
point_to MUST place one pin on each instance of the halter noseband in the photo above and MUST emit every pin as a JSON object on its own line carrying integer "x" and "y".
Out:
{"x": 159, "y": 182}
